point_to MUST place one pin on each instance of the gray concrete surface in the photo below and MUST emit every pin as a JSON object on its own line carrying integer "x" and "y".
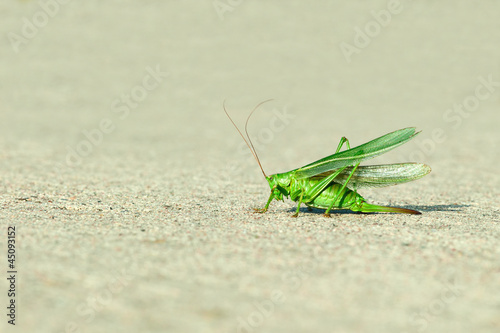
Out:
{"x": 132, "y": 195}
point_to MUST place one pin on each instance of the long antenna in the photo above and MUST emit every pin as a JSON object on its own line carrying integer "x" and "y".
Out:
{"x": 249, "y": 145}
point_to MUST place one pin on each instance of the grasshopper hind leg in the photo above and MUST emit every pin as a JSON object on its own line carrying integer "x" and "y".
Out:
{"x": 369, "y": 208}
{"x": 341, "y": 143}
{"x": 334, "y": 200}
{"x": 365, "y": 207}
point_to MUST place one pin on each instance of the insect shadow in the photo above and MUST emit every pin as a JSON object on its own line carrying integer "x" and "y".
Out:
{"x": 426, "y": 208}
{"x": 441, "y": 208}
{"x": 322, "y": 211}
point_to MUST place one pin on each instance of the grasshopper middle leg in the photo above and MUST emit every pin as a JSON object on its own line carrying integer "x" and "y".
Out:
{"x": 327, "y": 212}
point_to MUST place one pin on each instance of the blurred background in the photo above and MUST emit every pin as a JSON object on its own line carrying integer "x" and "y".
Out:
{"x": 352, "y": 69}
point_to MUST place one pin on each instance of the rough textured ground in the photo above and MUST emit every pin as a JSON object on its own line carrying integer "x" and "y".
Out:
{"x": 132, "y": 194}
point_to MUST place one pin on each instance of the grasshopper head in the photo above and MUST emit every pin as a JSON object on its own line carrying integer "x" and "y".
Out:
{"x": 279, "y": 184}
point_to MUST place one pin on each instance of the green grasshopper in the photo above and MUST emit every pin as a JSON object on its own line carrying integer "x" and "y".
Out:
{"x": 332, "y": 182}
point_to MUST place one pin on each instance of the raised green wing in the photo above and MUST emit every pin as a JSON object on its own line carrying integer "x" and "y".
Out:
{"x": 357, "y": 154}
{"x": 371, "y": 176}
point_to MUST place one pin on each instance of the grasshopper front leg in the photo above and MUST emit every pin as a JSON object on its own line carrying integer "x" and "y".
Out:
{"x": 263, "y": 210}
